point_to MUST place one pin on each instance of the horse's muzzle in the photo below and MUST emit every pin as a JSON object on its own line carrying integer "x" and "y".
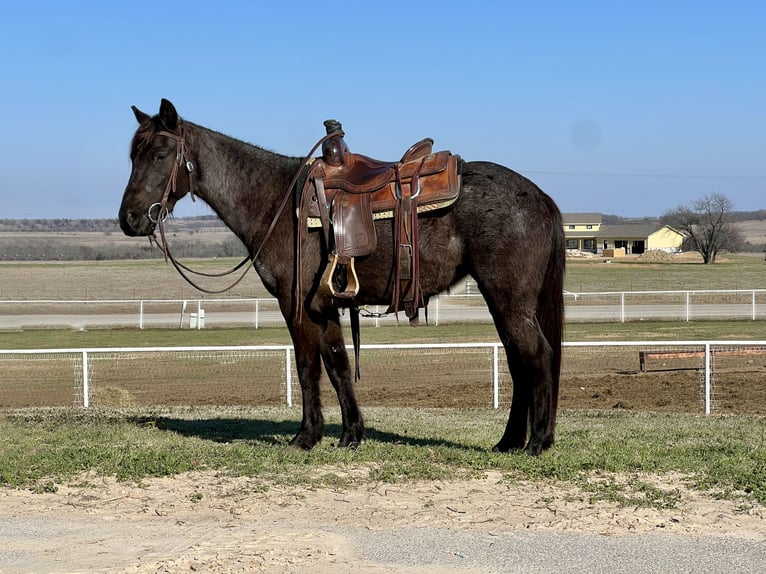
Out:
{"x": 135, "y": 224}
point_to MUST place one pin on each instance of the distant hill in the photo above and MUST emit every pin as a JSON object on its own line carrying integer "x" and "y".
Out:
{"x": 98, "y": 239}
{"x": 197, "y": 223}
{"x": 737, "y": 216}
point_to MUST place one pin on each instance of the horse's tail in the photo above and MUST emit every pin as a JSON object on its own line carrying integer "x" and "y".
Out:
{"x": 550, "y": 313}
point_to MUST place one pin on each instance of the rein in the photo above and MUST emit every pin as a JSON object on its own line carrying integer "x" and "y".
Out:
{"x": 182, "y": 158}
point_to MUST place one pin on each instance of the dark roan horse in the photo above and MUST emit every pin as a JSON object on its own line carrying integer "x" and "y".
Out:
{"x": 502, "y": 230}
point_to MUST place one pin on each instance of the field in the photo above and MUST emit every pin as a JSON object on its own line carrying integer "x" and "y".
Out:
{"x": 601, "y": 378}
{"x": 155, "y": 279}
{"x": 138, "y": 488}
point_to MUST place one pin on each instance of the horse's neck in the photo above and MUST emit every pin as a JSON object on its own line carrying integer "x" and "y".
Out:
{"x": 242, "y": 183}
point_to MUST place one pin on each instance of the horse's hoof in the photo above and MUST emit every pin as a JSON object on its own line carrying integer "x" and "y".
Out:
{"x": 303, "y": 442}
{"x": 536, "y": 448}
{"x": 503, "y": 447}
{"x": 533, "y": 450}
{"x": 350, "y": 442}
{"x": 352, "y": 437}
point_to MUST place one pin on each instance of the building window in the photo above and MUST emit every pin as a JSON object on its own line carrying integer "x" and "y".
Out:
{"x": 589, "y": 244}
{"x": 573, "y": 244}
{"x": 570, "y": 226}
{"x": 588, "y": 227}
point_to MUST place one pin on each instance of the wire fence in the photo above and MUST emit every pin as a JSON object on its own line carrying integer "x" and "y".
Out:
{"x": 688, "y": 376}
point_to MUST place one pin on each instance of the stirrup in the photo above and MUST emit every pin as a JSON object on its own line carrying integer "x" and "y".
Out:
{"x": 327, "y": 285}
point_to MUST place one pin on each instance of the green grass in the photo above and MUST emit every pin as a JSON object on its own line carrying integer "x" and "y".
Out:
{"x": 445, "y": 333}
{"x": 608, "y": 456}
{"x": 730, "y": 272}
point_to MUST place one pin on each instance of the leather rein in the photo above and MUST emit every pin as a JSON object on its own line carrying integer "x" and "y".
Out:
{"x": 182, "y": 158}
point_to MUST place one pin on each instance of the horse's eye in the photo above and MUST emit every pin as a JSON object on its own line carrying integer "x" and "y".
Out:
{"x": 159, "y": 157}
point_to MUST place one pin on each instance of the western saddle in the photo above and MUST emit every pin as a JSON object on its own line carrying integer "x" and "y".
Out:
{"x": 345, "y": 193}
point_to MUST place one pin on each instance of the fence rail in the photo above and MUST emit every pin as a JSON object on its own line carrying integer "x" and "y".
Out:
{"x": 230, "y": 375}
{"x": 749, "y": 304}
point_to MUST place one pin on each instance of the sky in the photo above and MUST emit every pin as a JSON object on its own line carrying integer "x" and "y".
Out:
{"x": 625, "y": 108}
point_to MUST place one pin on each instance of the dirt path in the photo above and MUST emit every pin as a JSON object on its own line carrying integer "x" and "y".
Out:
{"x": 205, "y": 522}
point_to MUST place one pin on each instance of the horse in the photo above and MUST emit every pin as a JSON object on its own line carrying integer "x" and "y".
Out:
{"x": 502, "y": 230}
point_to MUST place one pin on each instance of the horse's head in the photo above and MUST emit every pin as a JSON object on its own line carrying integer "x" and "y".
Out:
{"x": 161, "y": 171}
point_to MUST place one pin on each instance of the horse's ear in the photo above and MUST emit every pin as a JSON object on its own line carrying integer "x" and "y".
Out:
{"x": 141, "y": 117}
{"x": 168, "y": 114}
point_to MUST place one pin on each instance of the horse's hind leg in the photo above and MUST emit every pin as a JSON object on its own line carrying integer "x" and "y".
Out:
{"x": 530, "y": 363}
{"x": 515, "y": 435}
{"x": 338, "y": 368}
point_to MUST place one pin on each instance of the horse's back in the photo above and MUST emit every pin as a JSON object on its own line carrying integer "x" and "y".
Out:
{"x": 501, "y": 210}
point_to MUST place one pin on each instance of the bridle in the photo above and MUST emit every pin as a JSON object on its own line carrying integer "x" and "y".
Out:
{"x": 181, "y": 158}
{"x": 158, "y": 220}
{"x": 162, "y": 213}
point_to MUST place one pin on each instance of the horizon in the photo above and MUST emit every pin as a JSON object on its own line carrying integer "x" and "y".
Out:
{"x": 213, "y": 216}
{"x": 627, "y": 108}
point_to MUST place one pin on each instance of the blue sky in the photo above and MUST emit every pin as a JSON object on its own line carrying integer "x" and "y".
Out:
{"x": 627, "y": 108}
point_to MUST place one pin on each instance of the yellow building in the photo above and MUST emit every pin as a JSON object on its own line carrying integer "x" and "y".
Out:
{"x": 587, "y": 232}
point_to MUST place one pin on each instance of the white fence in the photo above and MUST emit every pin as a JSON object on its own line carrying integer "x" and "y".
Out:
{"x": 707, "y": 373}
{"x": 623, "y": 306}
{"x": 687, "y": 305}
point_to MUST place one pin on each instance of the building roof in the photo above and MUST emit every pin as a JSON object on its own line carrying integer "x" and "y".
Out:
{"x": 628, "y": 230}
{"x": 582, "y": 218}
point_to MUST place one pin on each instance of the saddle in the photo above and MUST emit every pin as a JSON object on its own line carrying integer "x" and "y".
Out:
{"x": 345, "y": 193}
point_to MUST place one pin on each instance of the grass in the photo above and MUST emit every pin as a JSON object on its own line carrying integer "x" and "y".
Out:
{"x": 607, "y": 456}
{"x": 444, "y": 333}
{"x": 729, "y": 272}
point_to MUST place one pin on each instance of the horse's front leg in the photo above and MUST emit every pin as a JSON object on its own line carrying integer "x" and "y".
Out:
{"x": 338, "y": 368}
{"x": 309, "y": 367}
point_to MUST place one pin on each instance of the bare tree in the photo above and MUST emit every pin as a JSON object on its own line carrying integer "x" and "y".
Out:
{"x": 707, "y": 224}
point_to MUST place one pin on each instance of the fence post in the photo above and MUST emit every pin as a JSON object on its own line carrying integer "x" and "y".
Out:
{"x": 141, "y": 315}
{"x": 707, "y": 378}
{"x": 622, "y": 307}
{"x": 753, "y": 304}
{"x": 495, "y": 376}
{"x": 257, "y": 305}
{"x": 288, "y": 378}
{"x": 85, "y": 381}
{"x": 688, "y": 305}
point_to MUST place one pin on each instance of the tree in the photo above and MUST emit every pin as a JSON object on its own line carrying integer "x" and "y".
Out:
{"x": 707, "y": 224}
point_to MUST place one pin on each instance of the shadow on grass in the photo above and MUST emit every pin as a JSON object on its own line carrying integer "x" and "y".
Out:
{"x": 224, "y": 430}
